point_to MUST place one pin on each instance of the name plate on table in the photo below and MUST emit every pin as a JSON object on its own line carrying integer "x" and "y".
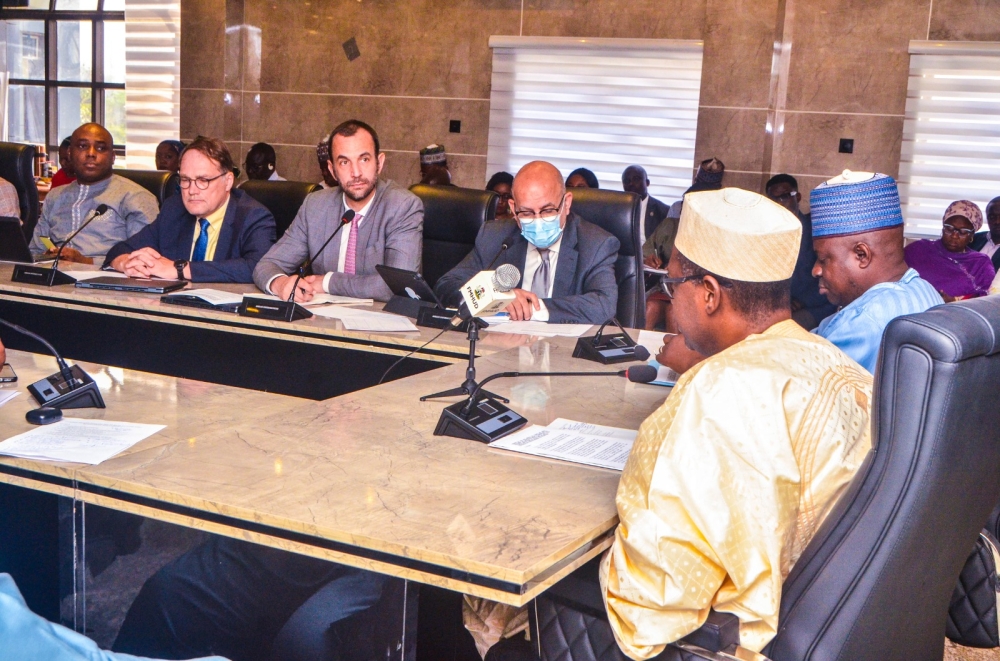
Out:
{"x": 31, "y": 274}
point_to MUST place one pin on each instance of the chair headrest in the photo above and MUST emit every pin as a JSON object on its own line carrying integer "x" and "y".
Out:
{"x": 954, "y": 332}
{"x": 612, "y": 211}
{"x": 450, "y": 212}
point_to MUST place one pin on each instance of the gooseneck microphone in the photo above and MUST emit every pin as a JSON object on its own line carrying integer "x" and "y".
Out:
{"x": 69, "y": 388}
{"x": 97, "y": 213}
{"x": 344, "y": 220}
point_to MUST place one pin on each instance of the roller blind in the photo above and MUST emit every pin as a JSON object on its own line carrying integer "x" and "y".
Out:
{"x": 951, "y": 133}
{"x": 602, "y": 104}
{"x": 152, "y": 77}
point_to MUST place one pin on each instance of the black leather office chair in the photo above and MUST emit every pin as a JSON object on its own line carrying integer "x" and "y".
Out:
{"x": 17, "y": 165}
{"x": 618, "y": 213}
{"x": 160, "y": 183}
{"x": 876, "y": 581}
{"x": 282, "y": 198}
{"x": 452, "y": 218}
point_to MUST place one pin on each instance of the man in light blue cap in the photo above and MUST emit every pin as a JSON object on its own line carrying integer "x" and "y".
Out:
{"x": 858, "y": 237}
{"x": 25, "y": 636}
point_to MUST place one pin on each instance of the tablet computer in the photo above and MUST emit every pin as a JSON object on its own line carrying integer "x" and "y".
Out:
{"x": 408, "y": 284}
{"x": 13, "y": 245}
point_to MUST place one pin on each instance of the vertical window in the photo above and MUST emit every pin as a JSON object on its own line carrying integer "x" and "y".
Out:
{"x": 951, "y": 132}
{"x": 66, "y": 60}
{"x": 603, "y": 104}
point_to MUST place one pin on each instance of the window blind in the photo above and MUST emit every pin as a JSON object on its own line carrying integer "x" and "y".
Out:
{"x": 603, "y": 104}
{"x": 951, "y": 132}
{"x": 152, "y": 77}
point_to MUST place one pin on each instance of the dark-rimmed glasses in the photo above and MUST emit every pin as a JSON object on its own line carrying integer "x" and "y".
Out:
{"x": 201, "y": 183}
{"x": 667, "y": 285}
{"x": 532, "y": 216}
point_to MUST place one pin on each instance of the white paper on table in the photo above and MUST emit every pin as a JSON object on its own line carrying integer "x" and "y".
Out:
{"x": 214, "y": 296}
{"x": 542, "y": 329}
{"x": 366, "y": 320}
{"x": 321, "y": 298}
{"x": 594, "y": 430}
{"x": 7, "y": 395}
{"x": 568, "y": 445}
{"x": 77, "y": 440}
{"x": 90, "y": 275}
{"x": 500, "y": 318}
{"x": 653, "y": 341}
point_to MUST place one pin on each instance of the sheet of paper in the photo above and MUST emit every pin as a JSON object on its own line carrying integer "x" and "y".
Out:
{"x": 78, "y": 440}
{"x": 366, "y": 320}
{"x": 594, "y": 430}
{"x": 322, "y": 298}
{"x": 214, "y": 296}
{"x": 569, "y": 445}
{"x": 501, "y": 318}
{"x": 541, "y": 329}
{"x": 653, "y": 341}
{"x": 90, "y": 275}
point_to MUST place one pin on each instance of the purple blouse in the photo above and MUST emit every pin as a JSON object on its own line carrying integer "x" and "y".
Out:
{"x": 961, "y": 274}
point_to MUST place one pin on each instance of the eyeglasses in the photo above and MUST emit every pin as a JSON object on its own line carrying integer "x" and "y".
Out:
{"x": 531, "y": 216}
{"x": 786, "y": 197}
{"x": 951, "y": 229}
{"x": 668, "y": 285}
{"x": 201, "y": 183}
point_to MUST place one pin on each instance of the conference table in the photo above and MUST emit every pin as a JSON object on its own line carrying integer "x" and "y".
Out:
{"x": 358, "y": 478}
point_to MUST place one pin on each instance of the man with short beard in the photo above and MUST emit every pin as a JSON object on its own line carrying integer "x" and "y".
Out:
{"x": 387, "y": 227}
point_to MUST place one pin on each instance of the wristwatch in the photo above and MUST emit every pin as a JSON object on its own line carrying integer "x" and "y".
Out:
{"x": 179, "y": 265}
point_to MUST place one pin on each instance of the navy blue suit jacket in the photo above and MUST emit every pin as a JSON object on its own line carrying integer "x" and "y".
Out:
{"x": 248, "y": 232}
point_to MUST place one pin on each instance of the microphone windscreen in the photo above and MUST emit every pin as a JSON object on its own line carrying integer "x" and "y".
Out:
{"x": 348, "y": 216}
{"x": 641, "y": 373}
{"x": 641, "y": 353}
{"x": 506, "y": 277}
{"x": 102, "y": 209}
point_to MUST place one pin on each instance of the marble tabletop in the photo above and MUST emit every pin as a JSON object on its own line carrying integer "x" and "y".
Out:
{"x": 361, "y": 479}
{"x": 450, "y": 347}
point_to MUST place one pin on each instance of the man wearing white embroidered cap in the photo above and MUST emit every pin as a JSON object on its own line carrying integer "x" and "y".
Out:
{"x": 730, "y": 478}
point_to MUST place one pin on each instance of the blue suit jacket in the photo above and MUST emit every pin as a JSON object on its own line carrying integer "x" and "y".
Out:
{"x": 248, "y": 232}
{"x": 584, "y": 291}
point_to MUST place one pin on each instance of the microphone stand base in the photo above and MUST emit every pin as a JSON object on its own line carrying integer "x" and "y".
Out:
{"x": 30, "y": 274}
{"x": 268, "y": 308}
{"x": 486, "y": 422}
{"x": 55, "y": 392}
{"x": 617, "y": 348}
{"x": 463, "y": 391}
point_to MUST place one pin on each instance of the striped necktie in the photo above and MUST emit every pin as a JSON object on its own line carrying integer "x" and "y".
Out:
{"x": 350, "y": 260}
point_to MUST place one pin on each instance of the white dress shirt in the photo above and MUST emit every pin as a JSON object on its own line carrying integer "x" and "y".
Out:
{"x": 344, "y": 240}
{"x": 642, "y": 218}
{"x": 989, "y": 247}
{"x": 532, "y": 261}
{"x": 276, "y": 177}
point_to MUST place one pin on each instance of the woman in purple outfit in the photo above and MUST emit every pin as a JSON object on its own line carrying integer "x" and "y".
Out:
{"x": 947, "y": 263}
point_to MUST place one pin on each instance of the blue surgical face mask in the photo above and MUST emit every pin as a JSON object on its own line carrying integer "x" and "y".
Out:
{"x": 542, "y": 232}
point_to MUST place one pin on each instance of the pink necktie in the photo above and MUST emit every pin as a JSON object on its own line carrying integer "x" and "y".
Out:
{"x": 352, "y": 246}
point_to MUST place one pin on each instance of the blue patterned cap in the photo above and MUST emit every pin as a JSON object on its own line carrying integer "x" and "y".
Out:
{"x": 855, "y": 203}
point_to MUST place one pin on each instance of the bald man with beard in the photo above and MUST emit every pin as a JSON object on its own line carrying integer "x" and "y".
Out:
{"x": 567, "y": 265}
{"x": 130, "y": 206}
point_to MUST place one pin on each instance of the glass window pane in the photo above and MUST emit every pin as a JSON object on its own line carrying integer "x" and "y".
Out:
{"x": 114, "y": 51}
{"x": 26, "y": 122}
{"x": 114, "y": 114}
{"x": 76, "y": 4}
{"x": 75, "y": 50}
{"x": 38, "y": 4}
{"x": 75, "y": 107}
{"x": 114, "y": 5}
{"x": 25, "y": 51}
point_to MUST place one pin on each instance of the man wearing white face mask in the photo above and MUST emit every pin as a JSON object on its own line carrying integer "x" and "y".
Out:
{"x": 567, "y": 264}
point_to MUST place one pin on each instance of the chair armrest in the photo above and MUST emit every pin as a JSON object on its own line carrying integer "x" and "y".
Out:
{"x": 733, "y": 653}
{"x": 720, "y": 631}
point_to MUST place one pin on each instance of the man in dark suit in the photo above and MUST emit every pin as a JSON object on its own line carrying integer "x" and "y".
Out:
{"x": 209, "y": 233}
{"x": 989, "y": 242}
{"x": 567, "y": 264}
{"x": 635, "y": 180}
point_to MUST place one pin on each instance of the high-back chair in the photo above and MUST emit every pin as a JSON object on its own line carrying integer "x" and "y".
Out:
{"x": 452, "y": 218}
{"x": 17, "y": 165}
{"x": 618, "y": 213}
{"x": 282, "y": 198}
{"x": 161, "y": 183}
{"x": 876, "y": 580}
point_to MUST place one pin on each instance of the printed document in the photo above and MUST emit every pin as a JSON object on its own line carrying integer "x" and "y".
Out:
{"x": 569, "y": 440}
{"x": 366, "y": 320}
{"x": 78, "y": 440}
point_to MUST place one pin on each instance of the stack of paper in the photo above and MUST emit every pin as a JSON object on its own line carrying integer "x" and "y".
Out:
{"x": 214, "y": 296}
{"x": 653, "y": 342}
{"x": 541, "y": 329}
{"x": 90, "y": 275}
{"x": 77, "y": 440}
{"x": 366, "y": 320}
{"x": 578, "y": 442}
{"x": 322, "y": 298}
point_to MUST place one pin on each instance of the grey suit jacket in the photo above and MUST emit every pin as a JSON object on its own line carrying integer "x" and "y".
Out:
{"x": 584, "y": 291}
{"x": 391, "y": 234}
